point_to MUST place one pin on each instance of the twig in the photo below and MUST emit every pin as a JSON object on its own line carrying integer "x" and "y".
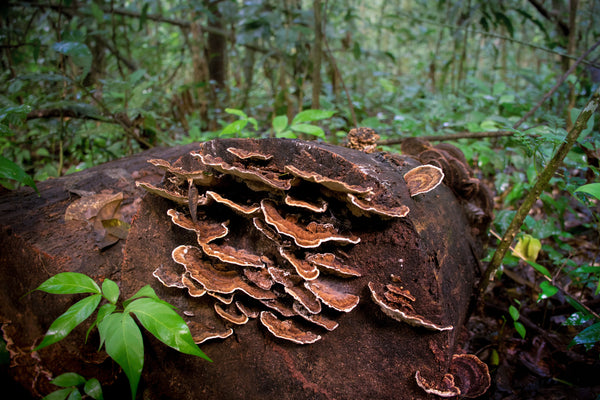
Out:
{"x": 537, "y": 189}
{"x": 453, "y": 136}
{"x": 337, "y": 72}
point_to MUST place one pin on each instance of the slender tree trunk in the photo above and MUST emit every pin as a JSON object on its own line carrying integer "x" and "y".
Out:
{"x": 317, "y": 50}
{"x": 571, "y": 49}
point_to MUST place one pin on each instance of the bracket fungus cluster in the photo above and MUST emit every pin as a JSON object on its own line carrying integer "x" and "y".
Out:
{"x": 285, "y": 235}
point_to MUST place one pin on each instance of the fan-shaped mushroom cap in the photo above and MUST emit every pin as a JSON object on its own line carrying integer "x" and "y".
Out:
{"x": 244, "y": 154}
{"x": 319, "y": 207}
{"x": 207, "y": 231}
{"x": 333, "y": 298}
{"x": 176, "y": 196}
{"x": 231, "y": 255}
{"x": 168, "y": 277}
{"x": 471, "y": 375}
{"x": 423, "y": 179}
{"x": 284, "y": 277}
{"x": 269, "y": 178}
{"x": 231, "y": 315}
{"x": 282, "y": 308}
{"x": 317, "y": 319}
{"x": 305, "y": 269}
{"x": 329, "y": 183}
{"x": 240, "y": 208}
{"x": 212, "y": 279}
{"x": 195, "y": 288}
{"x": 334, "y": 266}
{"x": 250, "y": 312}
{"x": 198, "y": 175}
{"x": 202, "y": 332}
{"x": 310, "y": 236}
{"x": 404, "y": 315}
{"x": 260, "y": 277}
{"x": 287, "y": 329}
{"x": 445, "y": 388}
{"x": 305, "y": 297}
{"x": 380, "y": 209}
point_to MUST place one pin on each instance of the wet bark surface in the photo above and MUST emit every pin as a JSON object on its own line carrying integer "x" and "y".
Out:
{"x": 434, "y": 251}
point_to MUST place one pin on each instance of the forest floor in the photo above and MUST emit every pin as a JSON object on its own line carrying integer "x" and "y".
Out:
{"x": 543, "y": 364}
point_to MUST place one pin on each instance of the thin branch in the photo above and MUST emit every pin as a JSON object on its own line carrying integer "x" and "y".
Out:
{"x": 63, "y": 113}
{"x": 453, "y": 136}
{"x": 537, "y": 189}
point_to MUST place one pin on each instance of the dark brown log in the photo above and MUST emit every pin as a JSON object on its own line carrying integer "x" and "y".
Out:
{"x": 433, "y": 252}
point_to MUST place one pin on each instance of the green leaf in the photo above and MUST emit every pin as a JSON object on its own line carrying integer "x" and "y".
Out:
{"x": 75, "y": 395}
{"x": 103, "y": 311}
{"x": 311, "y": 115}
{"x": 234, "y": 127}
{"x": 528, "y": 248}
{"x": 593, "y": 189}
{"x": 110, "y": 291}
{"x": 75, "y": 315}
{"x": 539, "y": 268}
{"x": 69, "y": 283}
{"x": 279, "y": 123}
{"x": 520, "y": 328}
{"x": 588, "y": 337}
{"x": 548, "y": 290}
{"x": 60, "y": 394}
{"x": 79, "y": 53}
{"x": 125, "y": 345}
{"x": 68, "y": 379}
{"x": 237, "y": 112}
{"x": 93, "y": 389}
{"x": 288, "y": 134}
{"x": 308, "y": 129}
{"x": 10, "y": 170}
{"x": 165, "y": 324}
{"x": 146, "y": 291}
{"x": 514, "y": 313}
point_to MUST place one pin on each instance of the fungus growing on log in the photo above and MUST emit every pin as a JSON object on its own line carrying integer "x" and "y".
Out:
{"x": 330, "y": 263}
{"x": 471, "y": 375}
{"x": 445, "y": 388}
{"x": 363, "y": 139}
{"x": 212, "y": 279}
{"x": 195, "y": 288}
{"x": 312, "y": 235}
{"x": 287, "y": 329}
{"x": 251, "y": 209}
{"x": 231, "y": 315}
{"x": 403, "y": 314}
{"x": 232, "y": 255}
{"x": 168, "y": 277}
{"x": 318, "y": 207}
{"x": 305, "y": 269}
{"x": 333, "y": 298}
{"x": 249, "y": 155}
{"x": 370, "y": 207}
{"x": 329, "y": 183}
{"x": 423, "y": 179}
{"x": 207, "y": 231}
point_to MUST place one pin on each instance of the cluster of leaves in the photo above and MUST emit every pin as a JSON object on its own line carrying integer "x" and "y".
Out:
{"x": 119, "y": 333}
{"x": 72, "y": 384}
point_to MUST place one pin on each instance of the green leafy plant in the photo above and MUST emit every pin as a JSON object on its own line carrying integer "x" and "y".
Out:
{"x": 238, "y": 128}
{"x": 515, "y": 315}
{"x": 119, "y": 333}
{"x": 301, "y": 124}
{"x": 72, "y": 385}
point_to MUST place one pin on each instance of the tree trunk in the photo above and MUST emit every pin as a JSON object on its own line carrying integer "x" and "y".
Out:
{"x": 424, "y": 246}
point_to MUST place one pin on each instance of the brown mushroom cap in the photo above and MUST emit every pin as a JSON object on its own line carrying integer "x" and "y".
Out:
{"x": 317, "y": 319}
{"x": 195, "y": 288}
{"x": 282, "y": 308}
{"x": 330, "y": 262}
{"x": 310, "y": 236}
{"x": 244, "y": 154}
{"x": 176, "y": 196}
{"x": 283, "y": 277}
{"x": 240, "y": 208}
{"x": 231, "y": 255}
{"x": 471, "y": 375}
{"x": 212, "y": 279}
{"x": 379, "y": 209}
{"x": 260, "y": 277}
{"x": 199, "y": 176}
{"x": 305, "y": 269}
{"x": 329, "y": 183}
{"x": 305, "y": 297}
{"x": 287, "y": 329}
{"x": 223, "y": 298}
{"x": 319, "y": 207}
{"x": 250, "y": 312}
{"x": 202, "y": 332}
{"x": 168, "y": 277}
{"x": 446, "y": 388}
{"x": 423, "y": 179}
{"x": 207, "y": 231}
{"x": 333, "y": 298}
{"x": 251, "y": 173}
{"x": 231, "y": 315}
{"x": 405, "y": 315}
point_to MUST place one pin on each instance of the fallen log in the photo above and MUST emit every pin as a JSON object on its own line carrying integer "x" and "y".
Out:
{"x": 336, "y": 273}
